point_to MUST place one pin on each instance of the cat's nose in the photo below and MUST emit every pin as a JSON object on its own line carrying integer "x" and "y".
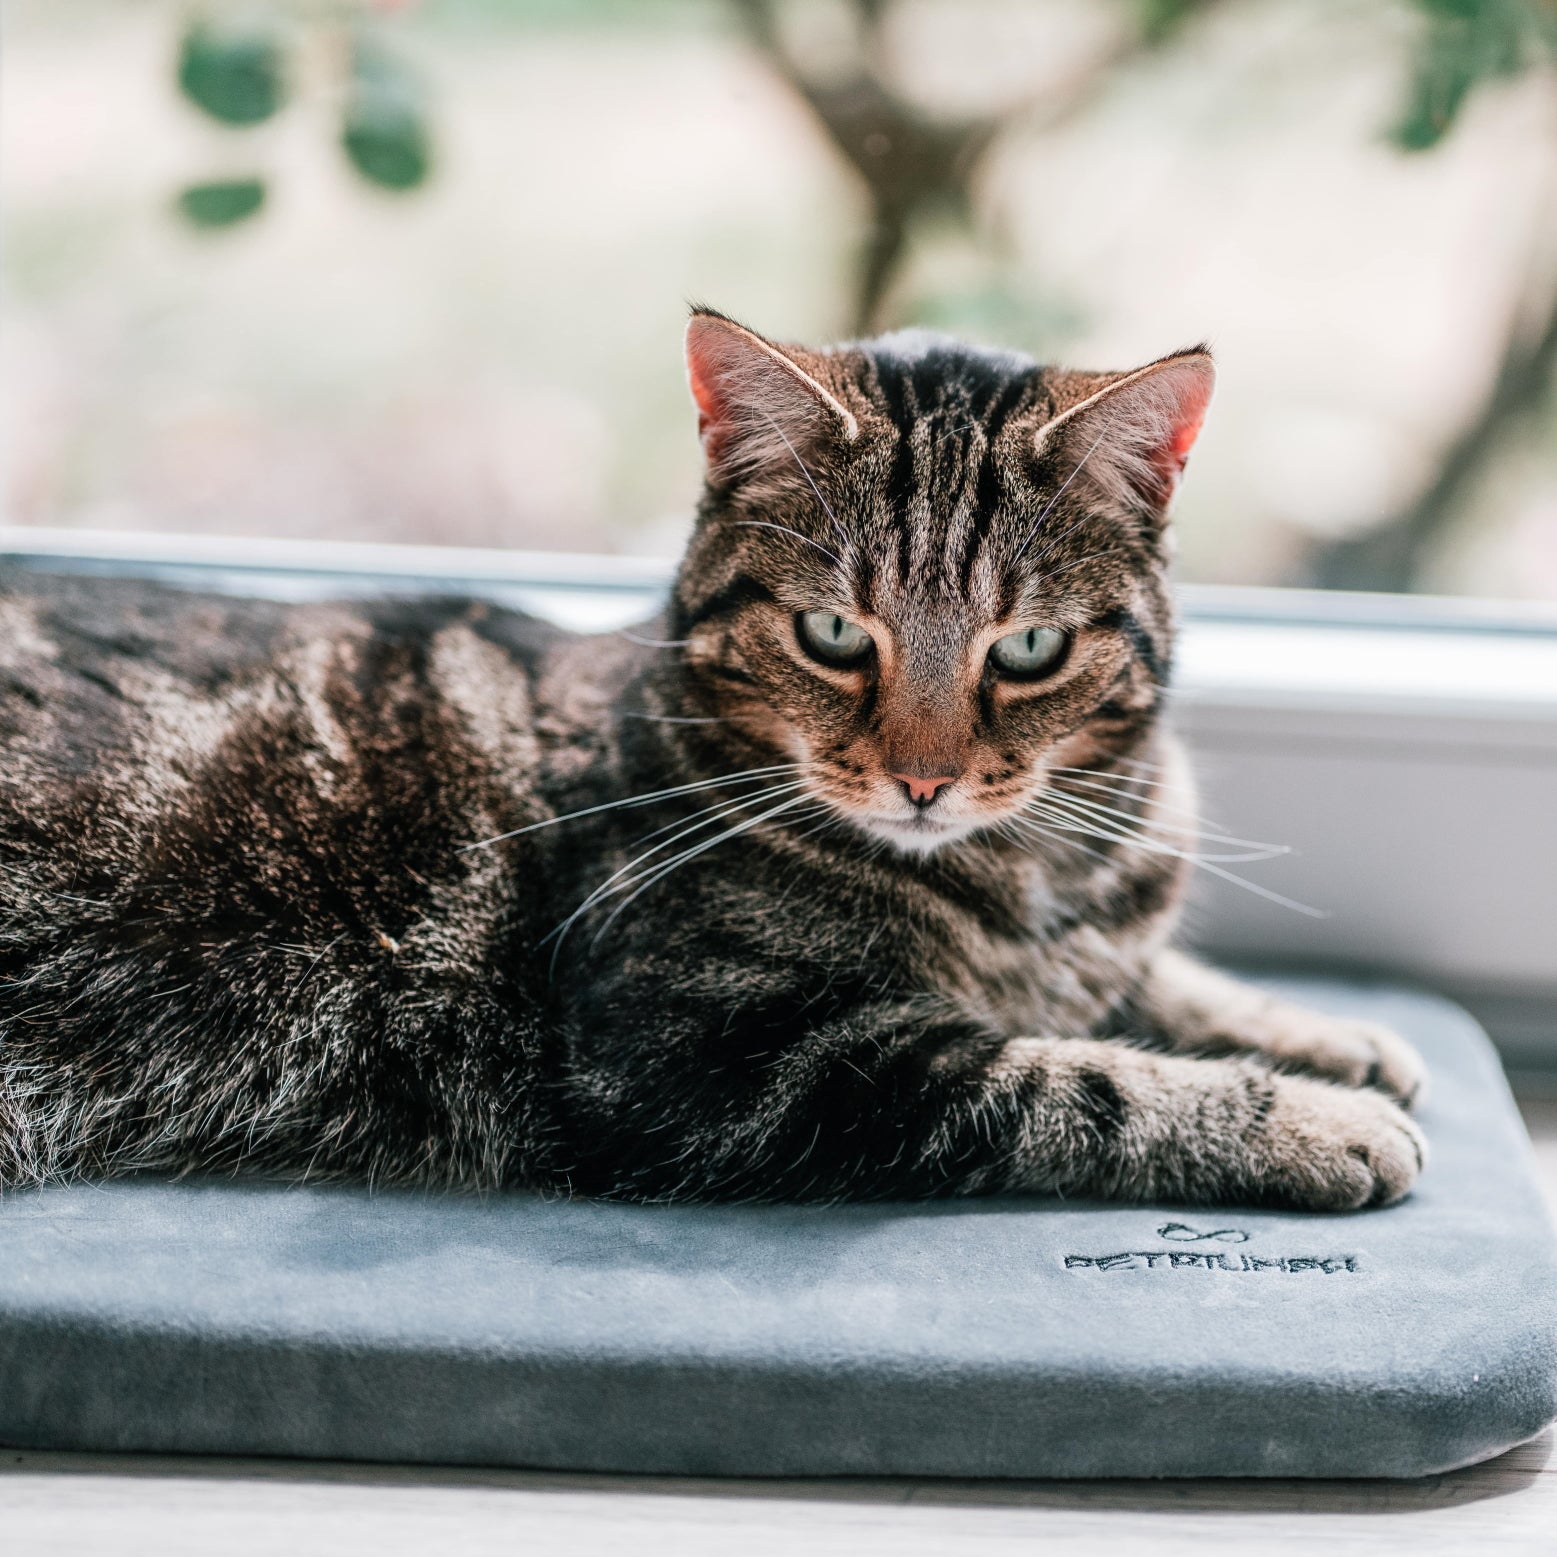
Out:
{"x": 924, "y": 790}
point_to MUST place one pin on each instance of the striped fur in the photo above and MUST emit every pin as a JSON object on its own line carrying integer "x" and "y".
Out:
{"x": 252, "y": 916}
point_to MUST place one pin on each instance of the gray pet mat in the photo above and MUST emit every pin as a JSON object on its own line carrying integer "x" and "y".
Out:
{"x": 1014, "y": 1338}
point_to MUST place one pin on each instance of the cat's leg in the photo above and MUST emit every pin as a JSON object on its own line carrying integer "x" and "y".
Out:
{"x": 901, "y": 1101}
{"x": 1171, "y": 1127}
{"x": 1195, "y": 1010}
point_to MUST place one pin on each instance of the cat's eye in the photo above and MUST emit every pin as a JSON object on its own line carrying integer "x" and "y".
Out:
{"x": 832, "y": 639}
{"x": 1029, "y": 654}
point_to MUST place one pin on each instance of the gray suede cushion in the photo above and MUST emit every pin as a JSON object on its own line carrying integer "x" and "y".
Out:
{"x": 1016, "y": 1338}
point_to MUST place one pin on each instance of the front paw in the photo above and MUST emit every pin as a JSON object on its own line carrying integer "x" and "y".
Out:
{"x": 1325, "y": 1148}
{"x": 1345, "y": 1049}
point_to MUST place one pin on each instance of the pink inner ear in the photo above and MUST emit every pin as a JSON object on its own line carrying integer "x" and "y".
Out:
{"x": 702, "y": 375}
{"x": 1184, "y": 435}
{"x": 1189, "y": 398}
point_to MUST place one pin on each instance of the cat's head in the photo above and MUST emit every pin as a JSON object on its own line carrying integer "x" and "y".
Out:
{"x": 930, "y": 572}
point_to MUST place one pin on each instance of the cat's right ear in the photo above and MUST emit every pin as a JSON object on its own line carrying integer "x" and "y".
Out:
{"x": 757, "y": 405}
{"x": 1132, "y": 434}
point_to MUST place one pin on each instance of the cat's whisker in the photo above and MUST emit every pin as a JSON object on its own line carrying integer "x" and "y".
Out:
{"x": 1062, "y": 783}
{"x": 643, "y": 884}
{"x": 1098, "y": 783}
{"x": 638, "y": 800}
{"x": 1078, "y": 562}
{"x": 1093, "y": 807}
{"x": 784, "y": 529}
{"x": 1213, "y": 865}
{"x": 830, "y": 818}
{"x": 1105, "y": 775}
{"x": 1265, "y": 892}
{"x": 1103, "y": 827}
{"x": 615, "y": 882}
{"x": 805, "y": 470}
{"x": 653, "y": 643}
{"x": 630, "y": 713}
{"x": 735, "y": 803}
{"x": 962, "y": 427}
{"x": 1051, "y": 833}
{"x": 684, "y": 828}
{"x": 1109, "y": 773}
{"x": 1049, "y": 507}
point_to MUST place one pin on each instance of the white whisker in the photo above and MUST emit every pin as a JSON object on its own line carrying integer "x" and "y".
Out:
{"x": 805, "y": 471}
{"x": 1264, "y": 851}
{"x": 653, "y": 643}
{"x": 1058, "y": 837}
{"x": 784, "y": 529}
{"x": 638, "y": 800}
{"x": 1213, "y": 864}
{"x": 623, "y": 878}
{"x": 1265, "y": 892}
{"x": 1103, "y": 827}
{"x": 684, "y": 828}
{"x": 727, "y": 803}
{"x": 1065, "y": 779}
{"x": 1048, "y": 508}
{"x": 642, "y": 884}
{"x": 1103, "y": 775}
{"x": 1096, "y": 556}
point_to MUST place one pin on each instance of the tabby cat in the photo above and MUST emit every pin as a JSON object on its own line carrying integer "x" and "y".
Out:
{"x": 853, "y": 876}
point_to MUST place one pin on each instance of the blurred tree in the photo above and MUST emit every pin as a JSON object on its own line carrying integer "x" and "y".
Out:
{"x": 917, "y": 167}
{"x": 1464, "y": 44}
{"x": 914, "y": 166}
{"x": 235, "y": 66}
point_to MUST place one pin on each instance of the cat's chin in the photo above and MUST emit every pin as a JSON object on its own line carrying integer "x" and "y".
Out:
{"x": 921, "y": 834}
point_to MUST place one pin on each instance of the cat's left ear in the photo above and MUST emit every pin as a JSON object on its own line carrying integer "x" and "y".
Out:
{"x": 759, "y": 405}
{"x": 1132, "y": 436}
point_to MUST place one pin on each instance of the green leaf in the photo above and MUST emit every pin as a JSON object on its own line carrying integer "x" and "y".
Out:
{"x": 235, "y": 75}
{"x": 384, "y": 129}
{"x": 388, "y": 145}
{"x": 222, "y": 202}
{"x": 1466, "y": 43}
{"x": 1159, "y": 20}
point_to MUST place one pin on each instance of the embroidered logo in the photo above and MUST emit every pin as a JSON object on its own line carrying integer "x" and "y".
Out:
{"x": 1188, "y": 1259}
{"x": 1179, "y": 1232}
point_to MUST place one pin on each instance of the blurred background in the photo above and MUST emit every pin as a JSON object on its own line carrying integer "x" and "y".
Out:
{"x": 418, "y": 271}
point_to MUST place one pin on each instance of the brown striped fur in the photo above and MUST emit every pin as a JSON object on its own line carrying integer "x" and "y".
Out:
{"x": 251, "y": 916}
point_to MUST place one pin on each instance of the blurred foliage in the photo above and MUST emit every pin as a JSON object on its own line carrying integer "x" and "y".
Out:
{"x": 236, "y": 74}
{"x": 919, "y": 170}
{"x": 1158, "y": 20}
{"x": 223, "y": 202}
{"x": 1465, "y": 44}
{"x": 384, "y": 129}
{"x": 235, "y": 69}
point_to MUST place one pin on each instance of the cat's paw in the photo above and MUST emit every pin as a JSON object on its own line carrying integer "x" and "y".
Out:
{"x": 1327, "y": 1148}
{"x": 1354, "y": 1052}
{"x": 1393, "y": 1065}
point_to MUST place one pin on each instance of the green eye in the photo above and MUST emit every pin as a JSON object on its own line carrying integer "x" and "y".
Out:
{"x": 832, "y": 639}
{"x": 1029, "y": 654}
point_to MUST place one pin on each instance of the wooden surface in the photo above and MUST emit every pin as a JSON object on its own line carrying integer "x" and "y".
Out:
{"x": 142, "y": 1507}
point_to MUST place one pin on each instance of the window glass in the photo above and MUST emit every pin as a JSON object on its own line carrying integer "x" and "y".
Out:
{"x": 417, "y": 272}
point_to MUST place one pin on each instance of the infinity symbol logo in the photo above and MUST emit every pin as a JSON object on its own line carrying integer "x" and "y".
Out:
{"x": 1178, "y": 1232}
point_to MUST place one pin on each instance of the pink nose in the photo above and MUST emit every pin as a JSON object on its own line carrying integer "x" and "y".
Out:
{"x": 923, "y": 790}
